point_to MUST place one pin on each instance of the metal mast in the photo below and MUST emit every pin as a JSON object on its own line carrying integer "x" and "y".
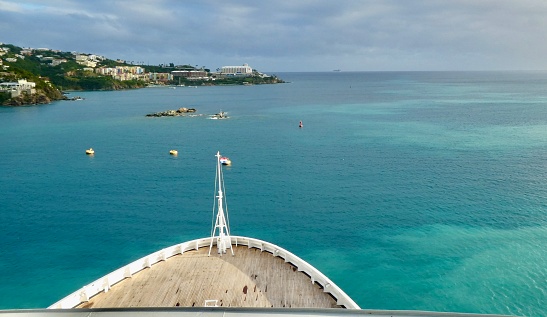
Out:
{"x": 223, "y": 238}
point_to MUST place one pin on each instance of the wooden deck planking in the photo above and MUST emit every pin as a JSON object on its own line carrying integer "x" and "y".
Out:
{"x": 251, "y": 278}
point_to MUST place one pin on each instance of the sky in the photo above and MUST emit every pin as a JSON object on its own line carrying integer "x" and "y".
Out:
{"x": 290, "y": 35}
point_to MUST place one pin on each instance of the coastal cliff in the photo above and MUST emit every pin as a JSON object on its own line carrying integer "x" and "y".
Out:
{"x": 28, "y": 99}
{"x": 43, "y": 94}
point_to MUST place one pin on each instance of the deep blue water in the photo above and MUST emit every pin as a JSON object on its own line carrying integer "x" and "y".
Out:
{"x": 411, "y": 190}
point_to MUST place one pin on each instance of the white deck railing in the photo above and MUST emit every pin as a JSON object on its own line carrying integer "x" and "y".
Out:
{"x": 105, "y": 283}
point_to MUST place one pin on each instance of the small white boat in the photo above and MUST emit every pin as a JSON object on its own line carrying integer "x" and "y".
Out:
{"x": 174, "y": 152}
{"x": 90, "y": 151}
{"x": 225, "y": 161}
{"x": 220, "y": 115}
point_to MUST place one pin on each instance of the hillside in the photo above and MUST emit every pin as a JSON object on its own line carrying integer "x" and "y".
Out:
{"x": 54, "y": 71}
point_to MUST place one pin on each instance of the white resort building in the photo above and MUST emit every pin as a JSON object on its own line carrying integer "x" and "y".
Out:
{"x": 244, "y": 70}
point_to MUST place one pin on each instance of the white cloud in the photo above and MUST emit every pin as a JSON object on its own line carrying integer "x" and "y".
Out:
{"x": 291, "y": 35}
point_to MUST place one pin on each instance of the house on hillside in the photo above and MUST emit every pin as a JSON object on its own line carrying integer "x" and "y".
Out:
{"x": 17, "y": 88}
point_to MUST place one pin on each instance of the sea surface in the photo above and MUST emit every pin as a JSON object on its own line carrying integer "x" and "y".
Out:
{"x": 410, "y": 190}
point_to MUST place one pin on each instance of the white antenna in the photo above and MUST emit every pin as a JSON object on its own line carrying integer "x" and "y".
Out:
{"x": 223, "y": 238}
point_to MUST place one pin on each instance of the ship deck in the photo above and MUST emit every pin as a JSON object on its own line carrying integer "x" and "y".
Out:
{"x": 251, "y": 278}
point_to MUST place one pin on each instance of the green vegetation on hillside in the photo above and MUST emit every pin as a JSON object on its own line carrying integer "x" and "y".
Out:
{"x": 68, "y": 75}
{"x": 55, "y": 71}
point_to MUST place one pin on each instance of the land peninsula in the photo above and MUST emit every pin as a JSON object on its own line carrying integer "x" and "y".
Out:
{"x": 38, "y": 76}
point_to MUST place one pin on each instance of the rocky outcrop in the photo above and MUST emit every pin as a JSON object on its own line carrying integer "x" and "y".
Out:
{"x": 172, "y": 113}
{"x": 43, "y": 95}
{"x": 28, "y": 99}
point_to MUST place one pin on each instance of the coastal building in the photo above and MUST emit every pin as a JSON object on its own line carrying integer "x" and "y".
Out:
{"x": 87, "y": 63}
{"x": 88, "y": 60}
{"x": 123, "y": 72}
{"x": 80, "y": 58}
{"x": 160, "y": 77}
{"x": 56, "y": 62}
{"x": 18, "y": 88}
{"x": 96, "y": 58}
{"x": 105, "y": 70}
{"x": 244, "y": 70}
{"x": 190, "y": 74}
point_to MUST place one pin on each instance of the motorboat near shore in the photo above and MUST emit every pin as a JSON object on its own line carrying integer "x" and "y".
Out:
{"x": 220, "y": 115}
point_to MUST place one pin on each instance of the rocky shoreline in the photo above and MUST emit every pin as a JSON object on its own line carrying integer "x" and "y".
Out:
{"x": 38, "y": 98}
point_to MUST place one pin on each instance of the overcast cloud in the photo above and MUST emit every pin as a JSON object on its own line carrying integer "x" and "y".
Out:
{"x": 290, "y": 35}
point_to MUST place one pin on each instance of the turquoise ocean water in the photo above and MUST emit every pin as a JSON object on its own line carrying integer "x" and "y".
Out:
{"x": 410, "y": 190}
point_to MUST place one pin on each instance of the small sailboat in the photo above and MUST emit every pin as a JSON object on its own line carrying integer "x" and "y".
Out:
{"x": 300, "y": 125}
{"x": 90, "y": 151}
